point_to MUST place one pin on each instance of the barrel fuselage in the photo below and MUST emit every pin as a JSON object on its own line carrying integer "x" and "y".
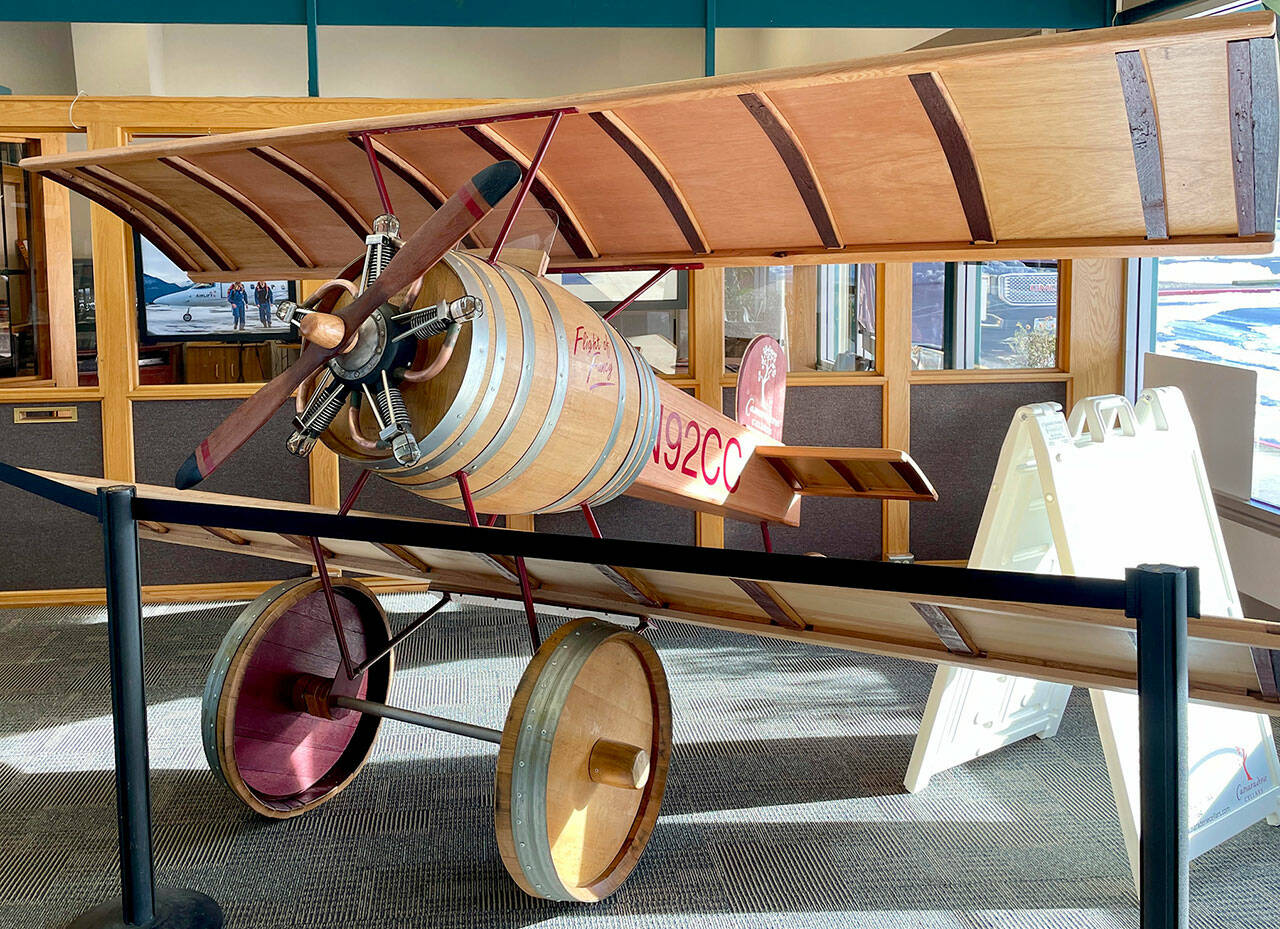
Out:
{"x": 545, "y": 407}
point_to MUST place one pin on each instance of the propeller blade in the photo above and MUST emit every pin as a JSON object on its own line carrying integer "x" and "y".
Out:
{"x": 442, "y": 231}
{"x": 248, "y": 417}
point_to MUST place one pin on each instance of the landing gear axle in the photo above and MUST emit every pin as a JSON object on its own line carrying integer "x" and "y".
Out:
{"x": 582, "y": 758}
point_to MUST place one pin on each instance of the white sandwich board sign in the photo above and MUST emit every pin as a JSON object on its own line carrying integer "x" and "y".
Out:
{"x": 1116, "y": 485}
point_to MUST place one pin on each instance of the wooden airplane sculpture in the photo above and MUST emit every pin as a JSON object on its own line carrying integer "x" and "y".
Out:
{"x": 481, "y": 384}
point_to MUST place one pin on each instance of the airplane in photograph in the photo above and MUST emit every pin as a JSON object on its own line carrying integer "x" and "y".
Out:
{"x": 213, "y": 295}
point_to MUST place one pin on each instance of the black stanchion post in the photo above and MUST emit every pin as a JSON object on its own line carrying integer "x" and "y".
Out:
{"x": 1160, "y": 597}
{"x": 139, "y": 903}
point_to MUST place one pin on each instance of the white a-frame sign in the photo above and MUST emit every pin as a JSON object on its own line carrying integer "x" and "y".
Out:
{"x": 1115, "y": 486}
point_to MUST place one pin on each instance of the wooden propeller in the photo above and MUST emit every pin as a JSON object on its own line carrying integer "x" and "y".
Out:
{"x": 442, "y": 231}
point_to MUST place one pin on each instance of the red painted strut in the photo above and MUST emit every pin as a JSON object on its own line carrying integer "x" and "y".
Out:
{"x": 525, "y": 186}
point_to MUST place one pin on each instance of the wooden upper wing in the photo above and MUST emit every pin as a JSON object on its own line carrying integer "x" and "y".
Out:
{"x": 1147, "y": 139}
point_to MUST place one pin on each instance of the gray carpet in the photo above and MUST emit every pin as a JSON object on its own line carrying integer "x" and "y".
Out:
{"x": 784, "y": 805}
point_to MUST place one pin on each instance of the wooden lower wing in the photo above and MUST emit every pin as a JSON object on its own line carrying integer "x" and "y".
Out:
{"x": 1233, "y": 662}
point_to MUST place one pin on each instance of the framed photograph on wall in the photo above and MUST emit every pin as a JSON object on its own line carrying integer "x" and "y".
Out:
{"x": 171, "y": 308}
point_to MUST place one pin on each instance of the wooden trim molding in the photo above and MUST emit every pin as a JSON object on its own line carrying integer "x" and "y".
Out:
{"x": 959, "y": 153}
{"x": 793, "y": 155}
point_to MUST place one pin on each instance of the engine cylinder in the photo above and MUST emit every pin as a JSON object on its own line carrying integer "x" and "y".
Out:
{"x": 543, "y": 404}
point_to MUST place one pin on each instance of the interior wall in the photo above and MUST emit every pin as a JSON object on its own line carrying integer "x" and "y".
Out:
{"x": 357, "y": 61}
{"x": 37, "y": 58}
{"x": 379, "y": 61}
{"x": 753, "y": 49}
{"x": 115, "y": 59}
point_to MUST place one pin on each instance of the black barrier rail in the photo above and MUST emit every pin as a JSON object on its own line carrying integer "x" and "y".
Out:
{"x": 1159, "y": 597}
{"x": 935, "y": 580}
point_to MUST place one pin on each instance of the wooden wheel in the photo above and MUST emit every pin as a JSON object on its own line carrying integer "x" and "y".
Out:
{"x": 278, "y": 760}
{"x": 583, "y": 762}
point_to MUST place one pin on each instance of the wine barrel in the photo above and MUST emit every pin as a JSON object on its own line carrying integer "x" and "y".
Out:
{"x": 543, "y": 405}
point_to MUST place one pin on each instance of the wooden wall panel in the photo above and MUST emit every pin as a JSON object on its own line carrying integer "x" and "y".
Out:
{"x": 957, "y": 431}
{"x": 166, "y": 432}
{"x": 842, "y": 414}
{"x": 43, "y": 545}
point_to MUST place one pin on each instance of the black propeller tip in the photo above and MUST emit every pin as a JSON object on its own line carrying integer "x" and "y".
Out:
{"x": 497, "y": 180}
{"x": 189, "y": 474}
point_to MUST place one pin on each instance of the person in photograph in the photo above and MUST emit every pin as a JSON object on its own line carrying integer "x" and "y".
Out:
{"x": 262, "y": 297}
{"x": 239, "y": 300}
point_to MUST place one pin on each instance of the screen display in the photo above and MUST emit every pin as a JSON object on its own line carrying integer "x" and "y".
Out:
{"x": 174, "y": 308}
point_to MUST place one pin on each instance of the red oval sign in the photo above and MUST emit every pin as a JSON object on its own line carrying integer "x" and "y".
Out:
{"x": 762, "y": 386}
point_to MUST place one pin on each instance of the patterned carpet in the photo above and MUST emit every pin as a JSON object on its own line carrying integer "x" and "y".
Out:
{"x": 784, "y": 806}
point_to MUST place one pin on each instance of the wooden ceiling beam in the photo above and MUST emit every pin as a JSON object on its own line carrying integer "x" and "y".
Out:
{"x": 131, "y": 191}
{"x": 325, "y": 193}
{"x": 274, "y": 231}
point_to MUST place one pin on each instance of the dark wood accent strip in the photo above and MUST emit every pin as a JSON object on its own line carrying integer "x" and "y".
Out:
{"x": 1144, "y": 135}
{"x": 914, "y": 479}
{"x": 546, "y": 199}
{"x": 847, "y": 475}
{"x": 630, "y": 584}
{"x": 317, "y": 185}
{"x": 506, "y": 567}
{"x": 777, "y": 609}
{"x": 1240, "y": 97}
{"x": 274, "y": 231}
{"x": 422, "y": 185}
{"x": 657, "y": 178}
{"x": 792, "y": 155}
{"x": 136, "y": 220}
{"x": 780, "y": 465}
{"x": 1266, "y": 134}
{"x": 948, "y": 630}
{"x": 228, "y": 535}
{"x": 304, "y": 543}
{"x": 1266, "y": 661}
{"x": 955, "y": 145}
{"x": 126, "y": 188}
{"x": 404, "y": 556}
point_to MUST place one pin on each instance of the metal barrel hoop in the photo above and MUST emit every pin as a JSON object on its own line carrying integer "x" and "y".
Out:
{"x": 552, "y": 417}
{"x": 646, "y": 436}
{"x": 471, "y": 283}
{"x": 523, "y": 388}
{"x": 222, "y": 693}
{"x": 452, "y": 417}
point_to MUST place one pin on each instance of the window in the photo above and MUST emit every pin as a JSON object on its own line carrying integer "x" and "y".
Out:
{"x": 1227, "y": 311}
{"x": 656, "y": 323}
{"x": 994, "y": 314}
{"x": 20, "y": 330}
{"x": 824, "y": 316}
